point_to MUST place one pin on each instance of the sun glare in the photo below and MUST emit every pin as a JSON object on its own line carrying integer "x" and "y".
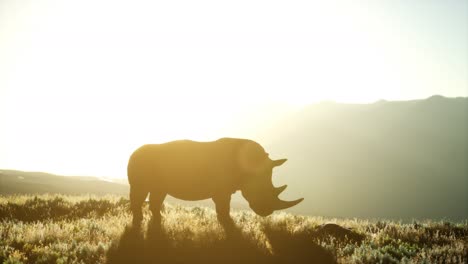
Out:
{"x": 83, "y": 83}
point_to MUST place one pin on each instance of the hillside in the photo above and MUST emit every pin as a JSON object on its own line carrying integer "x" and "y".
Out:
{"x": 21, "y": 182}
{"x": 83, "y": 229}
{"x": 399, "y": 160}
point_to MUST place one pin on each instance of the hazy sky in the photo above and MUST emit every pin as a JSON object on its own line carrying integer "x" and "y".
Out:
{"x": 82, "y": 83}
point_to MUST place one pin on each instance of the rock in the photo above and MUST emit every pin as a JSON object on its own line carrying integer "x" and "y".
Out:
{"x": 338, "y": 232}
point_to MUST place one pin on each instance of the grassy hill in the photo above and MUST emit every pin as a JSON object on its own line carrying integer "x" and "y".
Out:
{"x": 84, "y": 229}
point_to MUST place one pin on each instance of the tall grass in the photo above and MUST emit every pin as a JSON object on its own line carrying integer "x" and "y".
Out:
{"x": 86, "y": 229}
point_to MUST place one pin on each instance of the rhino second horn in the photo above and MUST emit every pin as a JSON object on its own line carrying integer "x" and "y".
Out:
{"x": 280, "y": 189}
{"x": 287, "y": 204}
{"x": 276, "y": 163}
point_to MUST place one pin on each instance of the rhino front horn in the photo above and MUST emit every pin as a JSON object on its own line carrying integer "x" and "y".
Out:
{"x": 287, "y": 204}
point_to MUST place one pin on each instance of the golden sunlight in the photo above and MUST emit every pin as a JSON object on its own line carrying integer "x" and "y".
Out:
{"x": 80, "y": 87}
{"x": 246, "y": 131}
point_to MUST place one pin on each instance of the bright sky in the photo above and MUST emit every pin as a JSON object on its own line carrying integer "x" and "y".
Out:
{"x": 83, "y": 83}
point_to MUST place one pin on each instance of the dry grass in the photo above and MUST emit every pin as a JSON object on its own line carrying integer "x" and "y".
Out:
{"x": 84, "y": 229}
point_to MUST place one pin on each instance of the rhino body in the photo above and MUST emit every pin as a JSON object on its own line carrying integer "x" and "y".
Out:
{"x": 191, "y": 170}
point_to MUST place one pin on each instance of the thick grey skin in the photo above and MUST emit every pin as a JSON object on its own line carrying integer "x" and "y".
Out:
{"x": 190, "y": 170}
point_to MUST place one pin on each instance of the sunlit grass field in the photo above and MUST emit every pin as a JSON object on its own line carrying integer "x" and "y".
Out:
{"x": 85, "y": 229}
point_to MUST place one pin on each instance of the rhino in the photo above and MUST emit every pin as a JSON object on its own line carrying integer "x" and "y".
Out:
{"x": 191, "y": 170}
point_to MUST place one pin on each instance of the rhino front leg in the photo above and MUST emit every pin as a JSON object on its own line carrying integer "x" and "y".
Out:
{"x": 223, "y": 207}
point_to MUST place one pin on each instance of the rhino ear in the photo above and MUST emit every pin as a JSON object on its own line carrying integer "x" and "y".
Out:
{"x": 279, "y": 162}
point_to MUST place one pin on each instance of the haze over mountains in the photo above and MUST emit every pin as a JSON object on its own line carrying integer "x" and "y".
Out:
{"x": 399, "y": 160}
{"x": 405, "y": 159}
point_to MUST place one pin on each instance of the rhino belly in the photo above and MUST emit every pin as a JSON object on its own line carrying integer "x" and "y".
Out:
{"x": 189, "y": 194}
{"x": 192, "y": 187}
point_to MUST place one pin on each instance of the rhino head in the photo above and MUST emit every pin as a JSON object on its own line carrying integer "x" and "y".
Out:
{"x": 257, "y": 187}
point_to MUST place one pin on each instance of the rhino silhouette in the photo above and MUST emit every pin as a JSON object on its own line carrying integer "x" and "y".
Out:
{"x": 191, "y": 170}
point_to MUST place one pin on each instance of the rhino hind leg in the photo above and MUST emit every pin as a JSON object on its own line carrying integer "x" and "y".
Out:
{"x": 155, "y": 204}
{"x": 137, "y": 197}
